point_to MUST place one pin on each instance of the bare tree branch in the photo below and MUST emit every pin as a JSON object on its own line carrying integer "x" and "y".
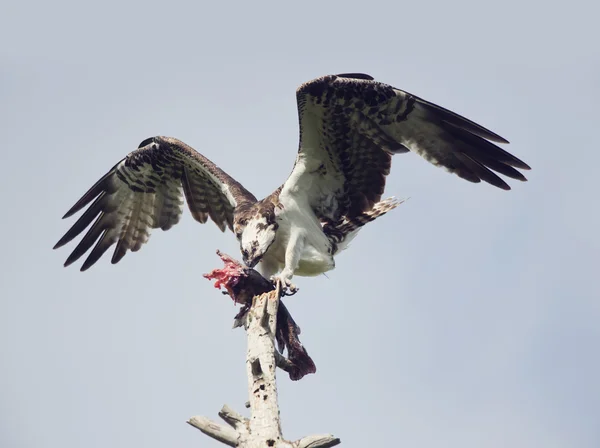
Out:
{"x": 224, "y": 434}
{"x": 262, "y": 309}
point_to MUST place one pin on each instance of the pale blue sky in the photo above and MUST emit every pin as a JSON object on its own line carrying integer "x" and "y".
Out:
{"x": 466, "y": 318}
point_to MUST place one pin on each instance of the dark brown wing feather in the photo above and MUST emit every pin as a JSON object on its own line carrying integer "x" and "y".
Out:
{"x": 351, "y": 125}
{"x": 145, "y": 191}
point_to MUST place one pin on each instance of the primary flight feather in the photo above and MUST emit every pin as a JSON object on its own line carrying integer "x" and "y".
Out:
{"x": 350, "y": 127}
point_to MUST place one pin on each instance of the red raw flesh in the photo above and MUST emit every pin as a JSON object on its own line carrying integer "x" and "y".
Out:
{"x": 228, "y": 275}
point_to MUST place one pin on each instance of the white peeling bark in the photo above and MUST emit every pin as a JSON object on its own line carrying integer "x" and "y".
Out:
{"x": 265, "y": 425}
{"x": 263, "y": 429}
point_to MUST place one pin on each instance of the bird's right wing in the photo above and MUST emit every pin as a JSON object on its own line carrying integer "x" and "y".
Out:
{"x": 145, "y": 191}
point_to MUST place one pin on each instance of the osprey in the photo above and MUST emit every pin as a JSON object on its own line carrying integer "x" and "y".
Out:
{"x": 350, "y": 126}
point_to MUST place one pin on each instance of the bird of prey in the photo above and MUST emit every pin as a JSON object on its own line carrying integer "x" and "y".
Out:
{"x": 350, "y": 127}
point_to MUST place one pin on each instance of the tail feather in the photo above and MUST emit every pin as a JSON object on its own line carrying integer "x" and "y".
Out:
{"x": 344, "y": 231}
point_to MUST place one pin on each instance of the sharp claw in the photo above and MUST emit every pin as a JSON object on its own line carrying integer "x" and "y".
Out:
{"x": 287, "y": 287}
{"x": 292, "y": 290}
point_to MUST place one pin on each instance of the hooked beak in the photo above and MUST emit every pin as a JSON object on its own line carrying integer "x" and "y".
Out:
{"x": 251, "y": 262}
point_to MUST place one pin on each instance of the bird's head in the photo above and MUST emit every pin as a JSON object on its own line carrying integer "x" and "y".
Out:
{"x": 256, "y": 233}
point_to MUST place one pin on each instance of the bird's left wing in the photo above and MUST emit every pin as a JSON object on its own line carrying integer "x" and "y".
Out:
{"x": 351, "y": 125}
{"x": 145, "y": 191}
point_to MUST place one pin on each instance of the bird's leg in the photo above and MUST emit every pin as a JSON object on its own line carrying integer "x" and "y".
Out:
{"x": 293, "y": 252}
{"x": 285, "y": 278}
{"x": 268, "y": 268}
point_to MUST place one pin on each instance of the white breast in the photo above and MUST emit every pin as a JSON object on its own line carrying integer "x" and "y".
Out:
{"x": 297, "y": 218}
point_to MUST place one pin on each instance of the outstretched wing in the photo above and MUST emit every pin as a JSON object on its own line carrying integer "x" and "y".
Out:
{"x": 145, "y": 191}
{"x": 351, "y": 125}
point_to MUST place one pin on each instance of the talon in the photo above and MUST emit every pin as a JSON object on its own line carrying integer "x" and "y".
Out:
{"x": 287, "y": 287}
{"x": 293, "y": 289}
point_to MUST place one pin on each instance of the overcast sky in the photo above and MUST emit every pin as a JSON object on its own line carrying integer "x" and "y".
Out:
{"x": 468, "y": 317}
